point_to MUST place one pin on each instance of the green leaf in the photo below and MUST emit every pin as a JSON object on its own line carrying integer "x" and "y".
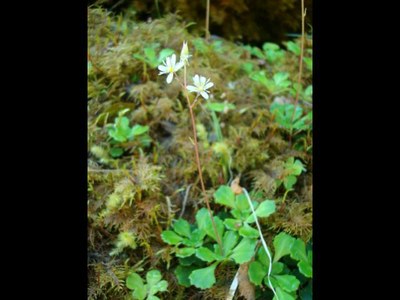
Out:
{"x": 244, "y": 251}
{"x": 270, "y": 46}
{"x": 309, "y": 255}
{"x": 171, "y": 237}
{"x": 203, "y": 278}
{"x": 218, "y": 47}
{"x": 162, "y": 286}
{"x": 289, "y": 182}
{"x": 265, "y": 209}
{"x": 237, "y": 214}
{"x": 189, "y": 261}
{"x": 309, "y": 90}
{"x": 257, "y": 272}
{"x": 200, "y": 45}
{"x": 281, "y": 79}
{"x": 153, "y": 276}
{"x": 164, "y": 53}
{"x": 116, "y": 152}
{"x": 260, "y": 77}
{"x": 204, "y": 221}
{"x": 289, "y": 283}
{"x": 306, "y": 293}
{"x": 282, "y": 295}
{"x": 283, "y": 244}
{"x": 296, "y": 167}
{"x": 196, "y": 238}
{"x": 134, "y": 281}
{"x": 154, "y": 282}
{"x": 233, "y": 224}
{"x": 257, "y": 52}
{"x": 277, "y": 268}
{"x": 298, "y": 250}
{"x": 293, "y": 47}
{"x": 140, "y": 294}
{"x": 206, "y": 254}
{"x": 225, "y": 196}
{"x": 220, "y": 107}
{"x": 242, "y": 203}
{"x": 138, "y": 130}
{"x": 182, "y": 227}
{"x": 229, "y": 241}
{"x": 185, "y": 252}
{"x": 247, "y": 67}
{"x": 220, "y": 228}
{"x": 120, "y": 130}
{"x": 201, "y": 218}
{"x": 139, "y": 57}
{"x": 248, "y": 231}
{"x": 182, "y": 273}
{"x": 309, "y": 62}
{"x": 152, "y": 297}
{"x": 150, "y": 54}
{"x": 283, "y": 114}
{"x": 122, "y": 122}
{"x": 305, "y": 268}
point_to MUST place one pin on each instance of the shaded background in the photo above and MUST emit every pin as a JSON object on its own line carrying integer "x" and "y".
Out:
{"x": 248, "y": 21}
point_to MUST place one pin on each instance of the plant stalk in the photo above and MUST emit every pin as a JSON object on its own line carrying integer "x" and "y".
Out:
{"x": 303, "y": 15}
{"x": 196, "y": 149}
{"x": 207, "y": 20}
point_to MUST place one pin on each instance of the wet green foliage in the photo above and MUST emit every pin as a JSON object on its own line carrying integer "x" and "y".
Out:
{"x": 142, "y": 172}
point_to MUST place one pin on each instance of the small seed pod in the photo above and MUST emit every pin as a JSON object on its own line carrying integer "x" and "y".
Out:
{"x": 236, "y": 188}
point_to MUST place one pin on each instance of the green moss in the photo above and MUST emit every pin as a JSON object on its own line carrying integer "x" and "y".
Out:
{"x": 133, "y": 197}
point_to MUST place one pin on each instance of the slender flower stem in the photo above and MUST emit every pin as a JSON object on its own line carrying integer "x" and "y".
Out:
{"x": 195, "y": 101}
{"x": 196, "y": 149}
{"x": 262, "y": 242}
{"x": 303, "y": 15}
{"x": 207, "y": 20}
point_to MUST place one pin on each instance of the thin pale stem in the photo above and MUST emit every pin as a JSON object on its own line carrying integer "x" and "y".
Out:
{"x": 207, "y": 20}
{"x": 303, "y": 14}
{"x": 195, "y": 101}
{"x": 262, "y": 241}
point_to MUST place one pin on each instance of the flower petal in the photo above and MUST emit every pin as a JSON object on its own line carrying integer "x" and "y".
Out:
{"x": 162, "y": 68}
{"x": 192, "y": 88}
{"x": 202, "y": 80}
{"x": 173, "y": 60}
{"x": 208, "y": 85}
{"x": 196, "y": 80}
{"x": 178, "y": 66}
{"x": 204, "y": 94}
{"x": 170, "y": 77}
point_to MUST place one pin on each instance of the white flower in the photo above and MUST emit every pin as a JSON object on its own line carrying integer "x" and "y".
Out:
{"x": 201, "y": 85}
{"x": 170, "y": 67}
{"x": 185, "y": 53}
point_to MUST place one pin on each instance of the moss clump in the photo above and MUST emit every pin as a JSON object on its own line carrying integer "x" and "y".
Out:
{"x": 132, "y": 198}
